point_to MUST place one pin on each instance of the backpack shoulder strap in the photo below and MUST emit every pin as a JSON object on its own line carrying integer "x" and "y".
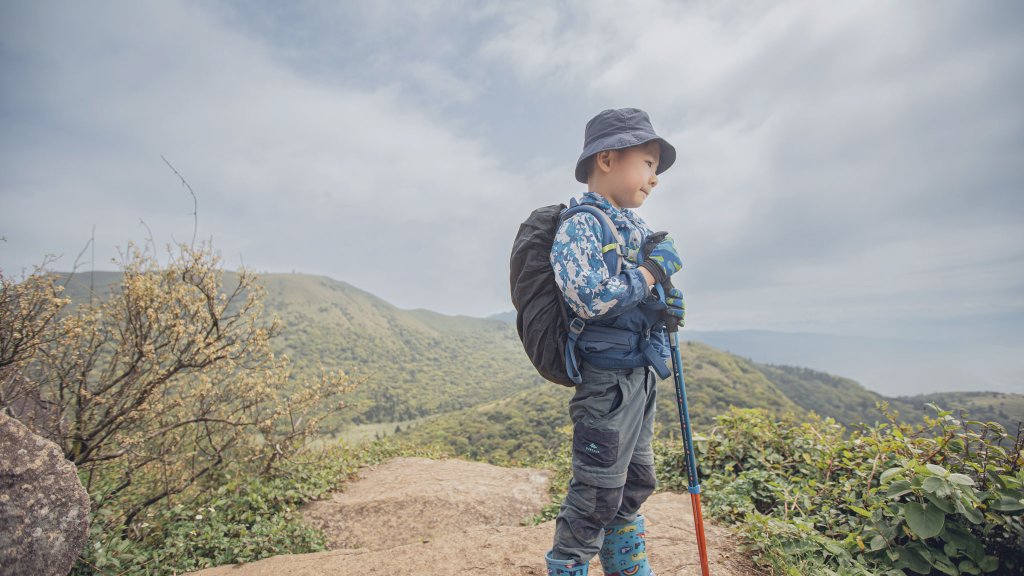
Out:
{"x": 613, "y": 251}
{"x": 612, "y": 246}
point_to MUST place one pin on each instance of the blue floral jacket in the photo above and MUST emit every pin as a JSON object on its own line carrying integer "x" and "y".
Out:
{"x": 580, "y": 271}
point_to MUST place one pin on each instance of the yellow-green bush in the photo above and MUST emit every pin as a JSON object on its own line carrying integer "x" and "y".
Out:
{"x": 163, "y": 392}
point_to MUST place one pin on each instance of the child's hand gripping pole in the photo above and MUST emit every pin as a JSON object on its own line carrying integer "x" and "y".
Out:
{"x": 672, "y": 322}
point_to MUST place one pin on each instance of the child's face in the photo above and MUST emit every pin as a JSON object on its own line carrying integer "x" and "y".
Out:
{"x": 632, "y": 175}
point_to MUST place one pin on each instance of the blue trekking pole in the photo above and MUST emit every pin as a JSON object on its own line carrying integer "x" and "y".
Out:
{"x": 693, "y": 482}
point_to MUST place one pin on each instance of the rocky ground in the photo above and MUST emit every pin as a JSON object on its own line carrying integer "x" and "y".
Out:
{"x": 445, "y": 517}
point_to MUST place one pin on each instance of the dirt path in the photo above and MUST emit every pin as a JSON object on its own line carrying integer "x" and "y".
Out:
{"x": 414, "y": 516}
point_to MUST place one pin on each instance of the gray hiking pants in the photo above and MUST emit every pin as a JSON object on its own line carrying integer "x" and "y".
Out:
{"x": 612, "y": 460}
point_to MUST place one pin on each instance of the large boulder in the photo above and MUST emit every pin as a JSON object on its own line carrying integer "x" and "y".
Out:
{"x": 44, "y": 510}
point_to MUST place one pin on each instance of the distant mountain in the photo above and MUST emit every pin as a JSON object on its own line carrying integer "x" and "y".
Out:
{"x": 509, "y": 317}
{"x": 850, "y": 403}
{"x": 890, "y": 366}
{"x": 415, "y": 363}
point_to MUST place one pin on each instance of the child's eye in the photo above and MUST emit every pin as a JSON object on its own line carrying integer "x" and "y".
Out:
{"x": 649, "y": 164}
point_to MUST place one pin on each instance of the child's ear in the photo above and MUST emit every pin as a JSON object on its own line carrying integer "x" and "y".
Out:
{"x": 603, "y": 160}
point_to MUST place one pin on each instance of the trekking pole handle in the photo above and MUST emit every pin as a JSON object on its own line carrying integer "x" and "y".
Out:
{"x": 671, "y": 322}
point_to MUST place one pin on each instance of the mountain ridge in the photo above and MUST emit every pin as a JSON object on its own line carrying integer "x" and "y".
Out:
{"x": 415, "y": 363}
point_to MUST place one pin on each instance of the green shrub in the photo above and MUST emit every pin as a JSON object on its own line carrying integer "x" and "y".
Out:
{"x": 945, "y": 497}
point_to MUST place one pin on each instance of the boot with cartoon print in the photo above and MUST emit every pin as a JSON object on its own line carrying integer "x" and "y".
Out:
{"x": 565, "y": 567}
{"x": 624, "y": 552}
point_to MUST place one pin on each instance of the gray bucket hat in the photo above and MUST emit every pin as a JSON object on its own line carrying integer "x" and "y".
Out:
{"x": 617, "y": 129}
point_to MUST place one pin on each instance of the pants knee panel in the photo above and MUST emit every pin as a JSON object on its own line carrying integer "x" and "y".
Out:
{"x": 603, "y": 504}
{"x": 640, "y": 484}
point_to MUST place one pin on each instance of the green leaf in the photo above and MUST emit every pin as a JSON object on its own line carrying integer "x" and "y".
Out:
{"x": 943, "y": 564}
{"x": 944, "y": 504}
{"x": 1009, "y": 481}
{"x": 911, "y": 557}
{"x": 969, "y": 567}
{"x": 877, "y": 543}
{"x": 936, "y": 485}
{"x": 967, "y": 509}
{"x": 860, "y": 511}
{"x": 937, "y": 470}
{"x": 925, "y": 521}
{"x": 964, "y": 540}
{"x": 989, "y": 564}
{"x": 961, "y": 479}
{"x": 836, "y": 549}
{"x": 1007, "y": 504}
{"x": 889, "y": 474}
{"x": 922, "y": 550}
{"x": 897, "y": 489}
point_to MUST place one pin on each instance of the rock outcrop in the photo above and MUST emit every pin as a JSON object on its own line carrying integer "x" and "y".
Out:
{"x": 44, "y": 510}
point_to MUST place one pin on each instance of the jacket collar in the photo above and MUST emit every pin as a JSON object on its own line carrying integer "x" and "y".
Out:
{"x": 601, "y": 202}
{"x": 622, "y": 217}
{"x": 629, "y": 224}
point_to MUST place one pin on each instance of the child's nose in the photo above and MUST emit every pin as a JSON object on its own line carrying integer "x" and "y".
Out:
{"x": 654, "y": 180}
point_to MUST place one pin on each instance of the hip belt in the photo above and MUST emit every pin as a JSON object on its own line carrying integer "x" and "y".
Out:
{"x": 611, "y": 348}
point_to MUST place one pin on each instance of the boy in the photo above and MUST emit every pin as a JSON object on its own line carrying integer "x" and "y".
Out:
{"x": 621, "y": 346}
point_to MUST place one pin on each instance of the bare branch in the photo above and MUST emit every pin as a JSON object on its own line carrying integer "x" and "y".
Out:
{"x": 195, "y": 201}
{"x": 92, "y": 238}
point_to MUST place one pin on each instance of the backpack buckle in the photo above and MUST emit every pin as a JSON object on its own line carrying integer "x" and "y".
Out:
{"x": 577, "y": 325}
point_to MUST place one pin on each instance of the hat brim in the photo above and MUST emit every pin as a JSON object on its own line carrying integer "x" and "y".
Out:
{"x": 628, "y": 140}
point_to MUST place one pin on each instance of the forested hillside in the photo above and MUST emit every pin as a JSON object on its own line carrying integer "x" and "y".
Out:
{"x": 850, "y": 403}
{"x": 513, "y": 430}
{"x": 525, "y": 425}
{"x": 528, "y": 424}
{"x": 410, "y": 363}
{"x": 405, "y": 363}
{"x": 414, "y": 363}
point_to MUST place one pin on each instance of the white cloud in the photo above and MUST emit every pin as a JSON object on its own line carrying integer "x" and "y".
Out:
{"x": 290, "y": 173}
{"x": 833, "y": 157}
{"x": 823, "y": 147}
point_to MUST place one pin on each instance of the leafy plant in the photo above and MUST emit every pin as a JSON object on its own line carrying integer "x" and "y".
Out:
{"x": 945, "y": 497}
{"x": 163, "y": 393}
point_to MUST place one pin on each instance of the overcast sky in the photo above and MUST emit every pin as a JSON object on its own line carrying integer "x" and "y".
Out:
{"x": 844, "y": 167}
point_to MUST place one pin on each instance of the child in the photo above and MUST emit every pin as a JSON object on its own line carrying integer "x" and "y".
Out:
{"x": 621, "y": 347}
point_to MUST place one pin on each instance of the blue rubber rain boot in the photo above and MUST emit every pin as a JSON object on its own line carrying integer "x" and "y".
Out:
{"x": 565, "y": 567}
{"x": 624, "y": 552}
